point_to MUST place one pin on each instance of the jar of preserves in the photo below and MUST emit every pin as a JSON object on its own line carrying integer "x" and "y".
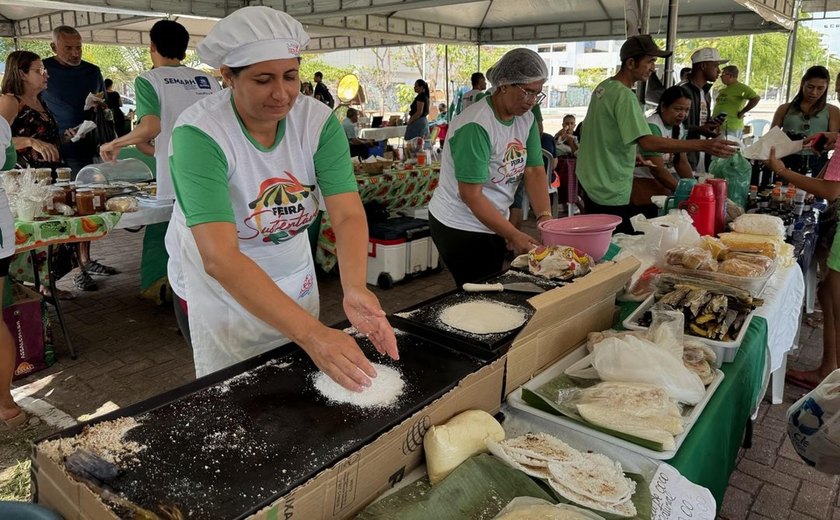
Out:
{"x": 66, "y": 191}
{"x": 72, "y": 186}
{"x": 84, "y": 202}
{"x": 62, "y": 174}
{"x": 43, "y": 175}
{"x": 99, "y": 197}
{"x": 57, "y": 196}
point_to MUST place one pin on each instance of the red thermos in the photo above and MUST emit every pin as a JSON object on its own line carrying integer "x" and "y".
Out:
{"x": 701, "y": 206}
{"x": 719, "y": 187}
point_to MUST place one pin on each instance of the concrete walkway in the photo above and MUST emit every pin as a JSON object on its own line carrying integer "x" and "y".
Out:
{"x": 130, "y": 350}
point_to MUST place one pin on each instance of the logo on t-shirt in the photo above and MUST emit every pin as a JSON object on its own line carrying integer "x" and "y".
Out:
{"x": 202, "y": 82}
{"x": 513, "y": 163}
{"x": 306, "y": 288}
{"x": 283, "y": 209}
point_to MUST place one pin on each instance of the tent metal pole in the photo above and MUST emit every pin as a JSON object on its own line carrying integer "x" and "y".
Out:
{"x": 671, "y": 42}
{"x": 446, "y": 70}
{"x": 478, "y": 59}
{"x": 790, "y": 56}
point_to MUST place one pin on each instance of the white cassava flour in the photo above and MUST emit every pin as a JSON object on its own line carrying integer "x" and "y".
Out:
{"x": 482, "y": 317}
{"x": 384, "y": 390}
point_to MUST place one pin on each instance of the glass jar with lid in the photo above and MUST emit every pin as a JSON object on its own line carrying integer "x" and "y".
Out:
{"x": 63, "y": 174}
{"x": 43, "y": 175}
{"x": 84, "y": 202}
{"x": 57, "y": 196}
{"x": 65, "y": 191}
{"x": 99, "y": 197}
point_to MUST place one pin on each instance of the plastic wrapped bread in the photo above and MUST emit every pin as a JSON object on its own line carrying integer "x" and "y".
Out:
{"x": 757, "y": 224}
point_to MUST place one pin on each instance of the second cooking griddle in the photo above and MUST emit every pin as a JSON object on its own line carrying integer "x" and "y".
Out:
{"x": 424, "y": 318}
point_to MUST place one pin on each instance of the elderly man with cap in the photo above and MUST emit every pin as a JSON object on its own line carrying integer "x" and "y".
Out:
{"x": 492, "y": 147}
{"x": 251, "y": 165}
{"x": 705, "y": 70}
{"x": 615, "y": 124}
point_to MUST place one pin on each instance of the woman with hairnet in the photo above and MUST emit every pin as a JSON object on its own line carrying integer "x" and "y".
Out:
{"x": 249, "y": 165}
{"x": 492, "y": 146}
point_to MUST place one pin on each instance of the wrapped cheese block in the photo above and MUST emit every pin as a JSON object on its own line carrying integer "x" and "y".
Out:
{"x": 463, "y": 436}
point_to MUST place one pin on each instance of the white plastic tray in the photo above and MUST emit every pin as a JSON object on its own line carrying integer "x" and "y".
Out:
{"x": 515, "y": 400}
{"x": 725, "y": 351}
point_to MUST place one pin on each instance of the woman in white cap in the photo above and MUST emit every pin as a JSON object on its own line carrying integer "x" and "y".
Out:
{"x": 250, "y": 166}
{"x": 491, "y": 147}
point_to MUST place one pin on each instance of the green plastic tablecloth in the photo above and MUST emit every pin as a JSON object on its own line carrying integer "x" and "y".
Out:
{"x": 707, "y": 456}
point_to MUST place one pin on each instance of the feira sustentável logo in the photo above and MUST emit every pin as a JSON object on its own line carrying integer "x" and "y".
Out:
{"x": 283, "y": 209}
{"x": 513, "y": 163}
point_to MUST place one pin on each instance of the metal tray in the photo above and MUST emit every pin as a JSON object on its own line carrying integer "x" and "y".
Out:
{"x": 233, "y": 442}
{"x": 515, "y": 400}
{"x": 423, "y": 318}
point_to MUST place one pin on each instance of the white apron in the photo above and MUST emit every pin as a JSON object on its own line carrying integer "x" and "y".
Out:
{"x": 275, "y": 197}
{"x": 222, "y": 331}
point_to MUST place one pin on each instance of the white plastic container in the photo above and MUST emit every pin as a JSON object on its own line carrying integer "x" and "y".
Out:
{"x": 725, "y": 351}
{"x": 399, "y": 248}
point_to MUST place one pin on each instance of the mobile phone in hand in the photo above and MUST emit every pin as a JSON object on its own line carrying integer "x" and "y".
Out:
{"x": 720, "y": 118}
{"x": 819, "y": 142}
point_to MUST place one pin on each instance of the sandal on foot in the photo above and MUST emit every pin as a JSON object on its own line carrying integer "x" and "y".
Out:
{"x": 84, "y": 282}
{"x": 62, "y": 295}
{"x": 96, "y": 269}
{"x": 17, "y": 421}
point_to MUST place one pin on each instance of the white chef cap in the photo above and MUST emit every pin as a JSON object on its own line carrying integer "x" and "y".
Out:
{"x": 251, "y": 35}
{"x": 518, "y": 66}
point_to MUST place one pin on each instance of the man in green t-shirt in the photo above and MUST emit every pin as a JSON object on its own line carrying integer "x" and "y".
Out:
{"x": 735, "y": 99}
{"x": 615, "y": 124}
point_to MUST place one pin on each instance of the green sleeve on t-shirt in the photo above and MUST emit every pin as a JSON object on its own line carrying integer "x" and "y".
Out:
{"x": 199, "y": 171}
{"x": 534, "y": 147}
{"x": 148, "y": 103}
{"x": 632, "y": 123}
{"x": 537, "y": 113}
{"x": 470, "y": 147}
{"x": 654, "y": 130}
{"x": 11, "y": 157}
{"x": 333, "y": 167}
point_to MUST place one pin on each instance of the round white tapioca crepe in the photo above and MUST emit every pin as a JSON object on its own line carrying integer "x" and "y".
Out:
{"x": 482, "y": 317}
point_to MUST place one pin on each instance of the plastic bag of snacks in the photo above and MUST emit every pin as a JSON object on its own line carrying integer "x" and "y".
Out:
{"x": 814, "y": 425}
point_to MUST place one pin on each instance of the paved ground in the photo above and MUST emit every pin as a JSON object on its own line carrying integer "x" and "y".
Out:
{"x": 130, "y": 349}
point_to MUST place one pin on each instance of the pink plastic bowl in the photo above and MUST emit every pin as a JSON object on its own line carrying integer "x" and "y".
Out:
{"x": 589, "y": 233}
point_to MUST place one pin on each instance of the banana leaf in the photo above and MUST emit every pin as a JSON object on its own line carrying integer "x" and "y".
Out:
{"x": 477, "y": 489}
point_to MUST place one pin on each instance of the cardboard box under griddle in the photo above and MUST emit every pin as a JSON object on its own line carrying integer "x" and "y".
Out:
{"x": 339, "y": 488}
{"x": 562, "y": 319}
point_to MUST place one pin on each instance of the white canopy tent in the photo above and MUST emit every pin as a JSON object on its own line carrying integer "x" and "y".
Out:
{"x": 343, "y": 24}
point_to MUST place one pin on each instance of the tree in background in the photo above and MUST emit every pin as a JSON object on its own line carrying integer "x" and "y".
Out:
{"x": 768, "y": 57}
{"x": 312, "y": 63}
{"x": 590, "y": 78}
{"x": 379, "y": 77}
{"x": 463, "y": 60}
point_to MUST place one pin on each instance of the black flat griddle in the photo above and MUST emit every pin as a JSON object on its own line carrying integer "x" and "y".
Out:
{"x": 225, "y": 448}
{"x": 423, "y": 318}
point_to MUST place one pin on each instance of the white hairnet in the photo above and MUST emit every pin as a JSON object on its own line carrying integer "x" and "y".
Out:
{"x": 518, "y": 66}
